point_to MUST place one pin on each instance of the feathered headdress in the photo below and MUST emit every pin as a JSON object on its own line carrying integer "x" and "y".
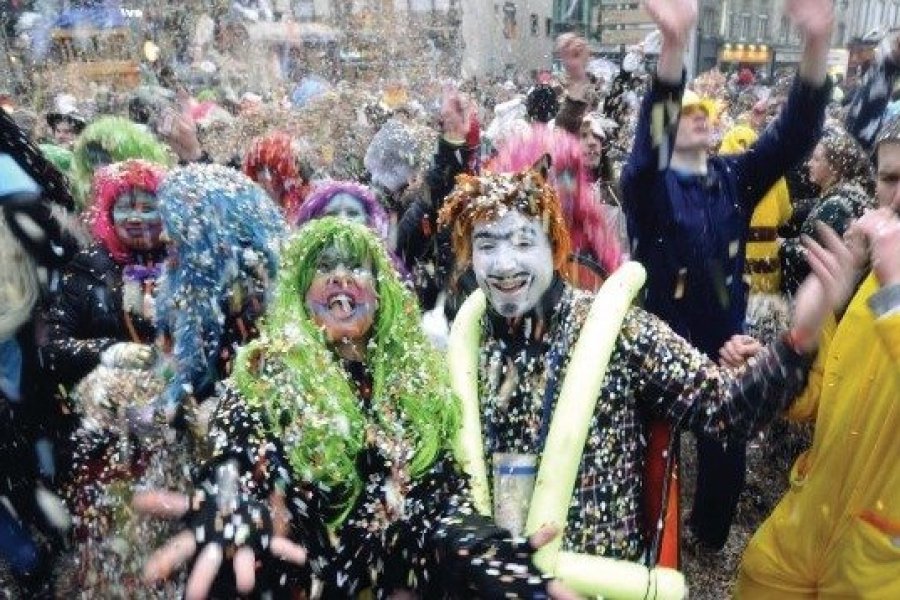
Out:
{"x": 488, "y": 197}
{"x": 587, "y": 227}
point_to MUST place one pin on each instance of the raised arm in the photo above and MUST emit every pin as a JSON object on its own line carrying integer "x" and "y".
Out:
{"x": 798, "y": 128}
{"x": 681, "y": 384}
{"x": 658, "y": 118}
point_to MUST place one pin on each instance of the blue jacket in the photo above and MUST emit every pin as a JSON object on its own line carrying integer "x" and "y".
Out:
{"x": 690, "y": 231}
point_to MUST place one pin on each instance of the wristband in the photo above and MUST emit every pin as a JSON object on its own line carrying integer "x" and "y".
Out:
{"x": 798, "y": 340}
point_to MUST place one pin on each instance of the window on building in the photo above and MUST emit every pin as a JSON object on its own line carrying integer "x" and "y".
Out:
{"x": 784, "y": 31}
{"x": 510, "y": 24}
{"x": 762, "y": 30}
{"x": 733, "y": 28}
{"x": 709, "y": 24}
{"x": 746, "y": 22}
{"x": 548, "y": 27}
{"x": 535, "y": 24}
{"x": 305, "y": 10}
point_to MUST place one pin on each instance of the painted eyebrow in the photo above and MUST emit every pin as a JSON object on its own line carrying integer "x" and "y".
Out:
{"x": 524, "y": 231}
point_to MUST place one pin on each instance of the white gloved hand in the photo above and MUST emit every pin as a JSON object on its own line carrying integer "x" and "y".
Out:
{"x": 128, "y": 355}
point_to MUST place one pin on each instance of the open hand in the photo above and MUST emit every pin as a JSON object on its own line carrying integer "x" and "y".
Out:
{"x": 675, "y": 18}
{"x": 219, "y": 523}
{"x": 828, "y": 288}
{"x": 183, "y": 138}
{"x": 814, "y": 18}
{"x": 456, "y": 115}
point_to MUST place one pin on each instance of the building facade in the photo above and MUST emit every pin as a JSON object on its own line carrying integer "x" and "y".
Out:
{"x": 757, "y": 33}
{"x": 621, "y": 24}
{"x": 506, "y": 38}
{"x": 481, "y": 38}
{"x": 870, "y": 19}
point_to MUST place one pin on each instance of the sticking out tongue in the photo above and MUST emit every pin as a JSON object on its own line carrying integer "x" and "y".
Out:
{"x": 341, "y": 306}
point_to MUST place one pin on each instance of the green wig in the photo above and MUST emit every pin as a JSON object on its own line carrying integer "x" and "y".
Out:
{"x": 59, "y": 156}
{"x": 122, "y": 140}
{"x": 292, "y": 376}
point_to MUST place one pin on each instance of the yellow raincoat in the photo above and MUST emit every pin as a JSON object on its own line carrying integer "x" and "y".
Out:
{"x": 836, "y": 533}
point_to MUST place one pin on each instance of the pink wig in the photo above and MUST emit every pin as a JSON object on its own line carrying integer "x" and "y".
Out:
{"x": 588, "y": 229}
{"x": 109, "y": 183}
{"x": 314, "y": 205}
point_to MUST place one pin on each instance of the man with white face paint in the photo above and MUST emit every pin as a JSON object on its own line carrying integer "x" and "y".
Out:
{"x": 517, "y": 346}
{"x": 513, "y": 262}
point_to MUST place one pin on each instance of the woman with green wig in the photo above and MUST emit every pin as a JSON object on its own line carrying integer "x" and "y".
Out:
{"x": 331, "y": 452}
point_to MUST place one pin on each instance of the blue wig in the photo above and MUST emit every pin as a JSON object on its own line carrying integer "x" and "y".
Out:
{"x": 224, "y": 232}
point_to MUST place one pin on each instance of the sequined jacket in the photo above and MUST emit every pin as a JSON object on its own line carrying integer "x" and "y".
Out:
{"x": 376, "y": 547}
{"x": 652, "y": 371}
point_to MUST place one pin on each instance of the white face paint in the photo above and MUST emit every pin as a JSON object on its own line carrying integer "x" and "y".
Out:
{"x": 346, "y": 206}
{"x": 513, "y": 262}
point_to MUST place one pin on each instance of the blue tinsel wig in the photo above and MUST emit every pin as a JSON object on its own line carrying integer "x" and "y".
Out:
{"x": 223, "y": 228}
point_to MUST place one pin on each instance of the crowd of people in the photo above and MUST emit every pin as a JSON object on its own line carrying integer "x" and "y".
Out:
{"x": 363, "y": 346}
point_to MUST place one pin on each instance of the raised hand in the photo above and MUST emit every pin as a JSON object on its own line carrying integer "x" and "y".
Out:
{"x": 456, "y": 114}
{"x": 814, "y": 18}
{"x": 181, "y": 135}
{"x": 675, "y": 18}
{"x": 834, "y": 277}
{"x": 220, "y": 521}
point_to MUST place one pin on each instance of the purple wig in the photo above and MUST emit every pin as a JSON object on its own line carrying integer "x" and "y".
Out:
{"x": 314, "y": 205}
{"x": 376, "y": 217}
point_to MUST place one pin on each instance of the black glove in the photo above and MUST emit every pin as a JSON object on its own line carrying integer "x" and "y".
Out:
{"x": 221, "y": 513}
{"x": 478, "y": 558}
